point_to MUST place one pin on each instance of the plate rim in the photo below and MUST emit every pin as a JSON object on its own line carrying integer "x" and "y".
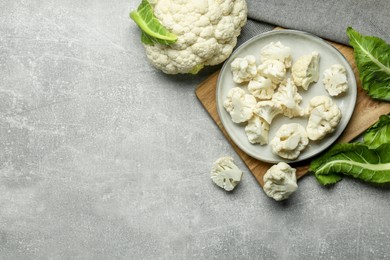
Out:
{"x": 282, "y": 31}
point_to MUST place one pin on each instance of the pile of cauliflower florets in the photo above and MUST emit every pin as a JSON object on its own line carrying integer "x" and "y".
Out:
{"x": 266, "y": 91}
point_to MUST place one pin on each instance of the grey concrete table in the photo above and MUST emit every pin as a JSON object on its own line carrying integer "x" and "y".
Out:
{"x": 103, "y": 157}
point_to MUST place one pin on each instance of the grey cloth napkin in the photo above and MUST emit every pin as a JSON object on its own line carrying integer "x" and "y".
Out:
{"x": 327, "y": 19}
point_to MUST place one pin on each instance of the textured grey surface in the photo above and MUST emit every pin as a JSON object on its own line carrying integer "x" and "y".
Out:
{"x": 328, "y": 19}
{"x": 103, "y": 157}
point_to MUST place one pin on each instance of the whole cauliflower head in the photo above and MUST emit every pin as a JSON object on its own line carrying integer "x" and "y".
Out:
{"x": 273, "y": 69}
{"x": 289, "y": 141}
{"x": 267, "y": 110}
{"x": 207, "y": 32}
{"x": 257, "y": 130}
{"x": 335, "y": 80}
{"x": 324, "y": 117}
{"x": 276, "y": 51}
{"x": 239, "y": 105}
{"x": 288, "y": 96}
{"x": 306, "y": 70}
{"x": 261, "y": 87}
{"x": 243, "y": 69}
{"x": 225, "y": 173}
{"x": 280, "y": 181}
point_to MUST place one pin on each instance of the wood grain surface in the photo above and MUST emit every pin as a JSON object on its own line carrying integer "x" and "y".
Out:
{"x": 367, "y": 112}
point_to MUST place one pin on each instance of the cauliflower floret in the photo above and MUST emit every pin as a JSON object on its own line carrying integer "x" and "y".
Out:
{"x": 261, "y": 88}
{"x": 306, "y": 70}
{"x": 335, "y": 80}
{"x": 267, "y": 110}
{"x": 276, "y": 51}
{"x": 280, "y": 181}
{"x": 225, "y": 173}
{"x": 273, "y": 69}
{"x": 207, "y": 32}
{"x": 324, "y": 116}
{"x": 289, "y": 141}
{"x": 257, "y": 130}
{"x": 239, "y": 105}
{"x": 244, "y": 69}
{"x": 288, "y": 96}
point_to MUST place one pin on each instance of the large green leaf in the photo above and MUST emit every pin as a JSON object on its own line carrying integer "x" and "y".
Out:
{"x": 152, "y": 30}
{"x": 379, "y": 133}
{"x": 356, "y": 160}
{"x": 372, "y": 57}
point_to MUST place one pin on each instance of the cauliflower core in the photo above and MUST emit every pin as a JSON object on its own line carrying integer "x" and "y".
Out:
{"x": 335, "y": 80}
{"x": 324, "y": 116}
{"x": 288, "y": 96}
{"x": 239, "y": 105}
{"x": 244, "y": 69}
{"x": 207, "y": 32}
{"x": 306, "y": 70}
{"x": 276, "y": 51}
{"x": 289, "y": 141}
{"x": 257, "y": 130}
{"x": 225, "y": 173}
{"x": 261, "y": 88}
{"x": 280, "y": 181}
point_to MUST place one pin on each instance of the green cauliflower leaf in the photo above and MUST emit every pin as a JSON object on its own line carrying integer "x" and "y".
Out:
{"x": 152, "y": 30}
{"x": 372, "y": 57}
{"x": 379, "y": 133}
{"x": 356, "y": 160}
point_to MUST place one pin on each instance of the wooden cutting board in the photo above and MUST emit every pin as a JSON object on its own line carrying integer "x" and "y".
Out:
{"x": 367, "y": 112}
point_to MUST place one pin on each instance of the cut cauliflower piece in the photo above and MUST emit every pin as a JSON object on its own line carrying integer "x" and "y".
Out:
{"x": 280, "y": 181}
{"x": 261, "y": 87}
{"x": 244, "y": 69}
{"x": 335, "y": 80}
{"x": 288, "y": 96}
{"x": 206, "y": 31}
{"x": 276, "y": 51}
{"x": 289, "y": 141}
{"x": 240, "y": 105}
{"x": 273, "y": 69}
{"x": 225, "y": 173}
{"x": 257, "y": 130}
{"x": 268, "y": 110}
{"x": 306, "y": 70}
{"x": 324, "y": 116}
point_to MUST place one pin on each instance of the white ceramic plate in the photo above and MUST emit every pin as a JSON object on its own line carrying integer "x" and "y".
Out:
{"x": 301, "y": 43}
